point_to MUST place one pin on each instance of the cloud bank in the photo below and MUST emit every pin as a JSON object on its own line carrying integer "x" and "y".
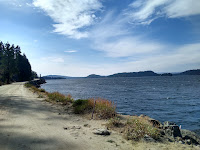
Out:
{"x": 146, "y": 11}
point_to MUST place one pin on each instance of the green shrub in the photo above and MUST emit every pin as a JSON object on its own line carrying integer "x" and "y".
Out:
{"x": 115, "y": 122}
{"x": 82, "y": 106}
{"x": 104, "y": 109}
{"x": 42, "y": 90}
{"x": 56, "y": 96}
{"x": 136, "y": 129}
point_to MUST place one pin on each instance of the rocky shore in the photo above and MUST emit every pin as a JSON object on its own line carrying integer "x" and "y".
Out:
{"x": 170, "y": 132}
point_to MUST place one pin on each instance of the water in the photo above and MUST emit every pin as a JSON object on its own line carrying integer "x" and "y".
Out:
{"x": 174, "y": 98}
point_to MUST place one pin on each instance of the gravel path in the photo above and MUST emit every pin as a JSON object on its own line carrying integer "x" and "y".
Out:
{"x": 29, "y": 123}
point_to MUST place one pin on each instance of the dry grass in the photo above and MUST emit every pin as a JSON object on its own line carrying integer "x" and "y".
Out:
{"x": 136, "y": 129}
{"x": 54, "y": 97}
{"x": 102, "y": 108}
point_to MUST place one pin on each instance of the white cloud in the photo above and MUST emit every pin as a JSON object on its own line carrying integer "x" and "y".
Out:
{"x": 114, "y": 38}
{"x": 70, "y": 51}
{"x": 144, "y": 12}
{"x": 70, "y": 16}
{"x": 126, "y": 47}
{"x": 184, "y": 58}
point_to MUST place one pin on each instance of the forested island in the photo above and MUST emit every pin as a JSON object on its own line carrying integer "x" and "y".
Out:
{"x": 147, "y": 74}
{"x": 14, "y": 66}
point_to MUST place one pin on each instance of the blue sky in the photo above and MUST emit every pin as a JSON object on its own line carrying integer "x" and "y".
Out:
{"x": 78, "y": 38}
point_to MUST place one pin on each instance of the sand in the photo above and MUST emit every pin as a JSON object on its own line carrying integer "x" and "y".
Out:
{"x": 30, "y": 123}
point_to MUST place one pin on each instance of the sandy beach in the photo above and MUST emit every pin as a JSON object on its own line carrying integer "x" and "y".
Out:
{"x": 30, "y": 123}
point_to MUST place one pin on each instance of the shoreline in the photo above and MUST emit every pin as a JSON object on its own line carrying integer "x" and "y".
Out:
{"x": 30, "y": 122}
{"x": 185, "y": 124}
{"x": 170, "y": 127}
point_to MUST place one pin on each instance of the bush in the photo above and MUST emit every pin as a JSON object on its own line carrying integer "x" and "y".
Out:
{"x": 82, "y": 106}
{"x": 42, "y": 90}
{"x": 136, "y": 129}
{"x": 56, "y": 96}
{"x": 104, "y": 109}
{"x": 115, "y": 123}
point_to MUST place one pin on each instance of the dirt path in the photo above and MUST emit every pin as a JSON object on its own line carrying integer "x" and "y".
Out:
{"x": 28, "y": 122}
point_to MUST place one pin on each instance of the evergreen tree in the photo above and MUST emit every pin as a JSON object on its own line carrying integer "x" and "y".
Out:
{"x": 13, "y": 65}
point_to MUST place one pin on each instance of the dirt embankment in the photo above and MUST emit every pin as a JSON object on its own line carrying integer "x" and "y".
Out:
{"x": 28, "y": 122}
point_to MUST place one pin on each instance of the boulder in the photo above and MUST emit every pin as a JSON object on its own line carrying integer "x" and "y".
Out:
{"x": 171, "y": 129}
{"x": 190, "y": 137}
{"x": 102, "y": 132}
{"x": 147, "y": 138}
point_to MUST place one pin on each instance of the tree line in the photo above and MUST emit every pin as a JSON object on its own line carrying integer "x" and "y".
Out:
{"x": 14, "y": 66}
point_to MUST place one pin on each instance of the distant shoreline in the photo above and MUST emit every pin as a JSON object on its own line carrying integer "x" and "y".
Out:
{"x": 128, "y": 74}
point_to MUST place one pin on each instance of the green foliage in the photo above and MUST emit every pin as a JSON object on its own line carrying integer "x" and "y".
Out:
{"x": 115, "y": 122}
{"x": 137, "y": 128}
{"x": 13, "y": 65}
{"x": 34, "y": 75}
{"x": 103, "y": 109}
{"x": 82, "y": 106}
{"x": 58, "y": 97}
{"x": 42, "y": 90}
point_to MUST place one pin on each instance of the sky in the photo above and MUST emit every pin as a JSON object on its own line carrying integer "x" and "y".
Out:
{"x": 81, "y": 37}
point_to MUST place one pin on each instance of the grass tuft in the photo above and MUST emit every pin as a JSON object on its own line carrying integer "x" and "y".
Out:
{"x": 58, "y": 97}
{"x": 136, "y": 129}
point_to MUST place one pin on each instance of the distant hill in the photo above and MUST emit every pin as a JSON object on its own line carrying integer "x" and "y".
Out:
{"x": 129, "y": 74}
{"x": 135, "y": 74}
{"x": 55, "y": 77}
{"x": 95, "y": 76}
{"x": 190, "y": 72}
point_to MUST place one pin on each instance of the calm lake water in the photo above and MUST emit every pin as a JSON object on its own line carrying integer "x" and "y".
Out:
{"x": 174, "y": 98}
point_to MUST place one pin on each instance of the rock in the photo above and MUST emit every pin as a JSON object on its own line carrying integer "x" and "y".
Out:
{"x": 147, "y": 138}
{"x": 190, "y": 135}
{"x": 171, "y": 129}
{"x": 156, "y": 123}
{"x": 102, "y": 132}
{"x": 189, "y": 140}
{"x": 168, "y": 123}
{"x": 181, "y": 142}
